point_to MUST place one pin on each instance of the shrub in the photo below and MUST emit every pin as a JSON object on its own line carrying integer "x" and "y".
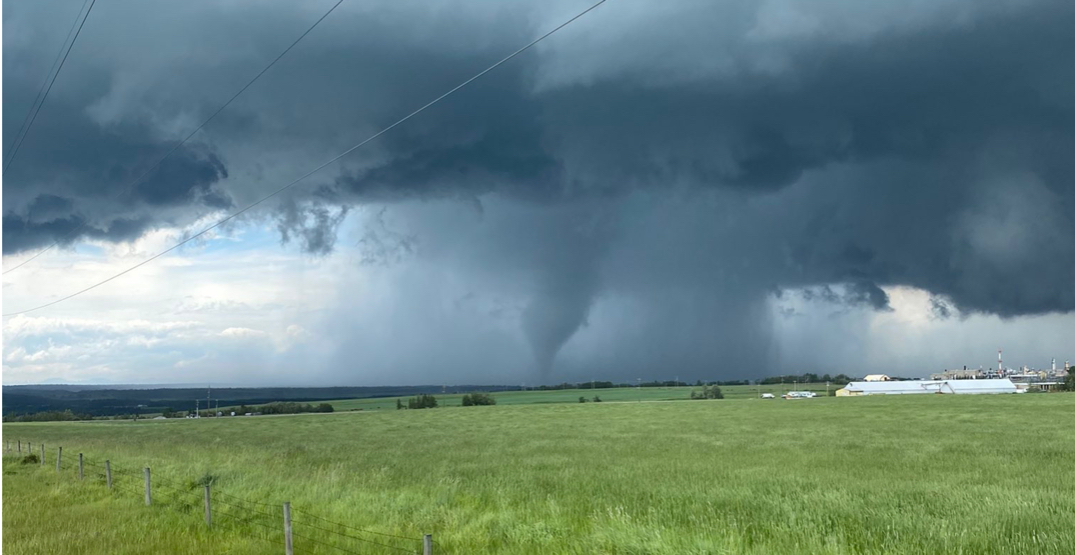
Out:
{"x": 596, "y": 399}
{"x": 31, "y": 459}
{"x": 475, "y": 399}
{"x": 582, "y": 399}
{"x": 708, "y": 392}
{"x": 422, "y": 402}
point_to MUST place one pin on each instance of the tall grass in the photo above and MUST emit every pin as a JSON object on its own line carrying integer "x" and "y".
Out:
{"x": 921, "y": 474}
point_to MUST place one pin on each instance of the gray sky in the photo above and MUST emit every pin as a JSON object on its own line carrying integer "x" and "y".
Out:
{"x": 698, "y": 189}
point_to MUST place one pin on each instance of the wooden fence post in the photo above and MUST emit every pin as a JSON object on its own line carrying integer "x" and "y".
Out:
{"x": 80, "y": 474}
{"x": 59, "y": 455}
{"x": 427, "y": 544}
{"x": 289, "y": 548}
{"x": 149, "y": 497}
{"x": 19, "y": 445}
{"x": 108, "y": 473}
{"x": 208, "y": 509}
{"x": 42, "y": 454}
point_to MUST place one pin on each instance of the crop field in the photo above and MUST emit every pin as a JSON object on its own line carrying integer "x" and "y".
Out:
{"x": 909, "y": 474}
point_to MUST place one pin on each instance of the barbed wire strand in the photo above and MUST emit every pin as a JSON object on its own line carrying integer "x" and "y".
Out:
{"x": 189, "y": 498}
{"x": 250, "y": 500}
{"x": 294, "y": 535}
{"x": 262, "y": 538}
{"x": 355, "y": 528}
{"x": 246, "y": 509}
{"x": 293, "y": 522}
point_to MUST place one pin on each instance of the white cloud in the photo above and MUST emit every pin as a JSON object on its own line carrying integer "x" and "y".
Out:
{"x": 243, "y": 333}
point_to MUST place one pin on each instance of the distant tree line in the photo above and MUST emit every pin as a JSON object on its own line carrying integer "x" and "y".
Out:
{"x": 109, "y": 401}
{"x": 48, "y": 416}
{"x": 840, "y": 379}
{"x": 283, "y": 407}
{"x": 581, "y": 385}
{"x": 612, "y": 385}
{"x": 805, "y": 378}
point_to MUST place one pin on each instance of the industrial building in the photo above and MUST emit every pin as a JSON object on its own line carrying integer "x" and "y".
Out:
{"x": 964, "y": 374}
{"x": 911, "y": 387}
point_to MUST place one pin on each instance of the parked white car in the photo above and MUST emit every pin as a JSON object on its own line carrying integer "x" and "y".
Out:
{"x": 768, "y": 396}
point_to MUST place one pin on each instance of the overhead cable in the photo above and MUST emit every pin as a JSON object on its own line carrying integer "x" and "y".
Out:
{"x": 258, "y": 202}
{"x": 157, "y": 164}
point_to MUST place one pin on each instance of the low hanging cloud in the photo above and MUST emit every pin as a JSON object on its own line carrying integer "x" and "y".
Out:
{"x": 672, "y": 164}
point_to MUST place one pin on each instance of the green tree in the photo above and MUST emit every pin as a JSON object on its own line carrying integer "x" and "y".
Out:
{"x": 475, "y": 399}
{"x": 422, "y": 402}
{"x": 708, "y": 392}
{"x": 1069, "y": 382}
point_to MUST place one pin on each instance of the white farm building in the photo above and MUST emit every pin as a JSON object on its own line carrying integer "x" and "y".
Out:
{"x": 965, "y": 387}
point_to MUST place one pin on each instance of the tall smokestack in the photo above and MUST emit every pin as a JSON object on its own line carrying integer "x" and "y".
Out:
{"x": 1000, "y": 360}
{"x": 1054, "y": 365}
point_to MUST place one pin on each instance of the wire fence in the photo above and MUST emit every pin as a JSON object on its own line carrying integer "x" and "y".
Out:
{"x": 279, "y": 524}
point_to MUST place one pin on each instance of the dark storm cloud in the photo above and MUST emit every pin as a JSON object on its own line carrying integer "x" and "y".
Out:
{"x": 939, "y": 308}
{"x": 854, "y": 294}
{"x": 314, "y": 226}
{"x": 725, "y": 150}
{"x": 73, "y": 178}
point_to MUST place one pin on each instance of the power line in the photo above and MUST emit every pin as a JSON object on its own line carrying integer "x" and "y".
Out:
{"x": 45, "y": 82}
{"x": 51, "y": 83}
{"x": 254, "y": 204}
{"x": 156, "y": 165}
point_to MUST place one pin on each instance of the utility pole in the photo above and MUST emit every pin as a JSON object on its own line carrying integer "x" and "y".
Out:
{"x": 639, "y": 390}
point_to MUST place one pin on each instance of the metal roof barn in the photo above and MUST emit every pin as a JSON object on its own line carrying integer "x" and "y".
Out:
{"x": 961, "y": 387}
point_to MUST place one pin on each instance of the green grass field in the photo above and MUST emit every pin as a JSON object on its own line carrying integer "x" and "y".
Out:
{"x": 606, "y": 395}
{"x": 911, "y": 474}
